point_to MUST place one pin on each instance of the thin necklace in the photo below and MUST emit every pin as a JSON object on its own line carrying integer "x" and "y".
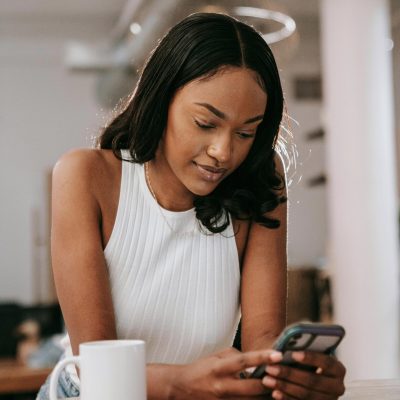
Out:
{"x": 146, "y": 170}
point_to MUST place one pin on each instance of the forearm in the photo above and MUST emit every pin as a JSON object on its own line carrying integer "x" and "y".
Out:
{"x": 261, "y": 342}
{"x": 262, "y": 334}
{"x": 160, "y": 378}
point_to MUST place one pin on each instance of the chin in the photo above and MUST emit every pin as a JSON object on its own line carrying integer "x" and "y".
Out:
{"x": 205, "y": 191}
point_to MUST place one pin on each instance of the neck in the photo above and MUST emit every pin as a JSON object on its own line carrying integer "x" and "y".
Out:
{"x": 165, "y": 187}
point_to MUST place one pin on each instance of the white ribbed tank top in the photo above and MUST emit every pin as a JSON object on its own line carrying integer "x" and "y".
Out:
{"x": 177, "y": 290}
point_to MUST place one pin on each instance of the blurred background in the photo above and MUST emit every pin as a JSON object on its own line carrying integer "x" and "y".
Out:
{"x": 65, "y": 65}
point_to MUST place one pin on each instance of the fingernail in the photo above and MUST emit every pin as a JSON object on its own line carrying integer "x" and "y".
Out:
{"x": 277, "y": 395}
{"x": 276, "y": 356}
{"x": 298, "y": 355}
{"x": 272, "y": 370}
{"x": 268, "y": 381}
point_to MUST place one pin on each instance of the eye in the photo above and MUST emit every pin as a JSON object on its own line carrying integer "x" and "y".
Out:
{"x": 244, "y": 135}
{"x": 203, "y": 126}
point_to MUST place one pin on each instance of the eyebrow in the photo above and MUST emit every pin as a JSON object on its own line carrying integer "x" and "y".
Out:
{"x": 221, "y": 115}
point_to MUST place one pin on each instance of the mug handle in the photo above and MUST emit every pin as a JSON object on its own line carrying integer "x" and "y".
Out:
{"x": 56, "y": 373}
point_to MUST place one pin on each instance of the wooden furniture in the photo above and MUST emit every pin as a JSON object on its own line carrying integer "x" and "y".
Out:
{"x": 386, "y": 389}
{"x": 18, "y": 378}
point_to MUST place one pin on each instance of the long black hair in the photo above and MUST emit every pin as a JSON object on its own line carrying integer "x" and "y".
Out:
{"x": 200, "y": 46}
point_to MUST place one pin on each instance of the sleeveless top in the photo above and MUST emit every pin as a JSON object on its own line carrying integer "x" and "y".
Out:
{"x": 173, "y": 284}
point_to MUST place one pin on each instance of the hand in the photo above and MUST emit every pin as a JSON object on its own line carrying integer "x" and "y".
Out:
{"x": 290, "y": 383}
{"x": 218, "y": 376}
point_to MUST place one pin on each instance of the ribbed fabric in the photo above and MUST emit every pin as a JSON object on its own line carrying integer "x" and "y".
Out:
{"x": 177, "y": 290}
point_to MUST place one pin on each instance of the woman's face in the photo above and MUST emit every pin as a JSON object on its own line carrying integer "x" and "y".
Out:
{"x": 210, "y": 129}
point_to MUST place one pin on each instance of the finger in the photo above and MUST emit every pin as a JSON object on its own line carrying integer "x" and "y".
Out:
{"x": 277, "y": 395}
{"x": 241, "y": 361}
{"x": 328, "y": 365}
{"x": 296, "y": 391}
{"x": 307, "y": 379}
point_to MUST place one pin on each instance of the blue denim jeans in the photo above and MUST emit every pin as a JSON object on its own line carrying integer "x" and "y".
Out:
{"x": 66, "y": 387}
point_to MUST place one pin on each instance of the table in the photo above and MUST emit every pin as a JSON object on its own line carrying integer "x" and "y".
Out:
{"x": 16, "y": 377}
{"x": 380, "y": 389}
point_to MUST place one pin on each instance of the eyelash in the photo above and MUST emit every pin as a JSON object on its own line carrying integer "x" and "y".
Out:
{"x": 241, "y": 134}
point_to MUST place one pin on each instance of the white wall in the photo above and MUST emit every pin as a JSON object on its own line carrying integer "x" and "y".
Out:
{"x": 308, "y": 228}
{"x": 307, "y": 207}
{"x": 362, "y": 192}
{"x": 396, "y": 75}
{"x": 44, "y": 111}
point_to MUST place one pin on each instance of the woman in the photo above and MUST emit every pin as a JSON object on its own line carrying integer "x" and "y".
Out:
{"x": 176, "y": 226}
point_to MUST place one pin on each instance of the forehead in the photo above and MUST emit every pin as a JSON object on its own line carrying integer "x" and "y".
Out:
{"x": 235, "y": 91}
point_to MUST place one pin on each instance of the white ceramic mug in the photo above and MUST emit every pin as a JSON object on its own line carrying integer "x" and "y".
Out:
{"x": 109, "y": 369}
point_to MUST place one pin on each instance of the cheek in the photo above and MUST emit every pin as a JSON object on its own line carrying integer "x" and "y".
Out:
{"x": 181, "y": 143}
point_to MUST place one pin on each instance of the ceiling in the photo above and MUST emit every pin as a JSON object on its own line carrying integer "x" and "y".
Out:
{"x": 121, "y": 48}
{"x": 112, "y": 8}
{"x": 42, "y": 8}
{"x": 70, "y": 8}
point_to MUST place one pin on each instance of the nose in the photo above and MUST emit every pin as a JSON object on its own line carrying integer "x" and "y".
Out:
{"x": 220, "y": 149}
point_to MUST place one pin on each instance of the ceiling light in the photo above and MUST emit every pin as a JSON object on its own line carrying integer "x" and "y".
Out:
{"x": 135, "y": 28}
{"x": 289, "y": 26}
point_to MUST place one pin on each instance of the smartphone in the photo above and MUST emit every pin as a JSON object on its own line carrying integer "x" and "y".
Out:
{"x": 304, "y": 336}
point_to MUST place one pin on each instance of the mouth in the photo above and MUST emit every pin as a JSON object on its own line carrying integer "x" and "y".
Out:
{"x": 209, "y": 173}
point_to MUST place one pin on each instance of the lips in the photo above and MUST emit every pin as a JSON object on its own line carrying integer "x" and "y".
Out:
{"x": 212, "y": 169}
{"x": 209, "y": 173}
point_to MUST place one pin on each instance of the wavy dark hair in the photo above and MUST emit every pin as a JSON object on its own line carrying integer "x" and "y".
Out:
{"x": 198, "y": 47}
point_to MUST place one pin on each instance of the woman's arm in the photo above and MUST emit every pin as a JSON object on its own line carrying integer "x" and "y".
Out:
{"x": 79, "y": 267}
{"x": 264, "y": 287}
{"x": 264, "y": 280}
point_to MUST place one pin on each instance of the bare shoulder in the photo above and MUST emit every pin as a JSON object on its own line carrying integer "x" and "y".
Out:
{"x": 95, "y": 168}
{"x": 86, "y": 161}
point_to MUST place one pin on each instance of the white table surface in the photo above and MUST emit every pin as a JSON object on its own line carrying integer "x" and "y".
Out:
{"x": 380, "y": 389}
